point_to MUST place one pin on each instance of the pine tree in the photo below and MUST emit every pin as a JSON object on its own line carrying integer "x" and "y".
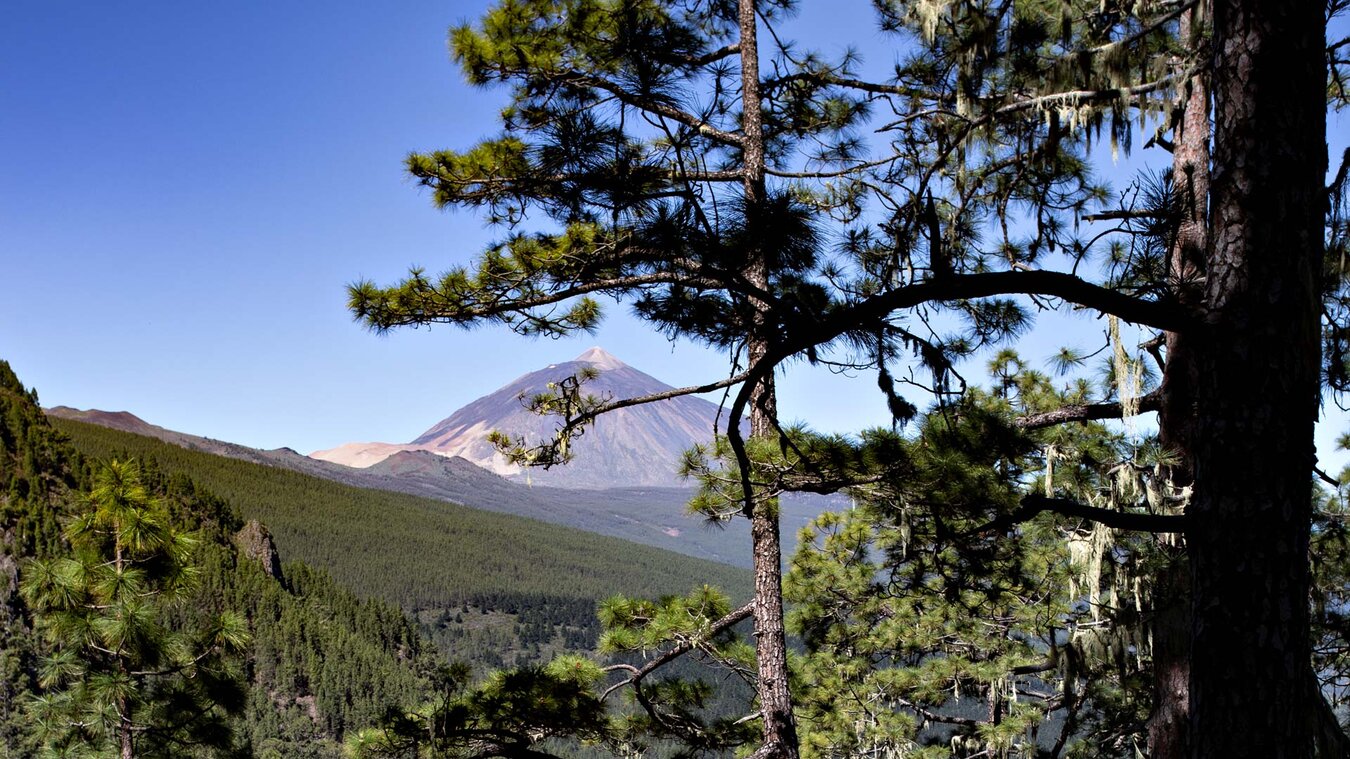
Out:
{"x": 509, "y": 714}
{"x": 684, "y": 178}
{"x": 119, "y": 673}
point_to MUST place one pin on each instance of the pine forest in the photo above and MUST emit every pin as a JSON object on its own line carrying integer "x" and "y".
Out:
{"x": 1087, "y": 258}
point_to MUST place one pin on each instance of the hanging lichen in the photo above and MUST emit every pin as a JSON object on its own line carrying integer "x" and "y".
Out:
{"x": 928, "y": 13}
{"x": 1087, "y": 549}
{"x": 1050, "y": 471}
{"x": 1129, "y": 376}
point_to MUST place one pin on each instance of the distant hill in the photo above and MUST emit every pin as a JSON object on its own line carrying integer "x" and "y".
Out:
{"x": 653, "y": 516}
{"x": 637, "y": 446}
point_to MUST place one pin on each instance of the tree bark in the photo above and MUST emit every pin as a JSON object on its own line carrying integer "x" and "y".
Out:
{"x": 1257, "y": 398}
{"x": 1171, "y": 618}
{"x": 775, "y": 699}
{"x": 124, "y": 734}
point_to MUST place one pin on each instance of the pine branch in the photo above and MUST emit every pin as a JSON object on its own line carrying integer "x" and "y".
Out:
{"x": 1159, "y": 314}
{"x": 1125, "y": 215}
{"x": 711, "y": 56}
{"x": 830, "y": 174}
{"x": 430, "y": 305}
{"x": 876, "y": 88}
{"x": 1084, "y": 412}
{"x": 680, "y": 649}
{"x": 1082, "y": 97}
{"x": 627, "y": 97}
{"x": 1146, "y": 30}
{"x": 1075, "y": 96}
{"x": 527, "y": 182}
{"x": 820, "y": 484}
{"x": 549, "y": 453}
{"x": 1034, "y": 505}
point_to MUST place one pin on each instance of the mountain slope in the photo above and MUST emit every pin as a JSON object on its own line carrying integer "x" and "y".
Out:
{"x": 652, "y": 516}
{"x": 636, "y": 446}
{"x": 320, "y": 660}
{"x": 419, "y": 552}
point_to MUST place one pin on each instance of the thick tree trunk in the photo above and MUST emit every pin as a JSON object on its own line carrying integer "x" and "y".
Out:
{"x": 1258, "y": 360}
{"x": 1171, "y": 619}
{"x": 775, "y": 700}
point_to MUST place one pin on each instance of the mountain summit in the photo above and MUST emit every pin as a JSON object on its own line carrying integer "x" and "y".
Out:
{"x": 636, "y": 446}
{"x": 600, "y": 359}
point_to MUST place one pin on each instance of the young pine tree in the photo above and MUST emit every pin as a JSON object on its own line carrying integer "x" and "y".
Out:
{"x": 120, "y": 675}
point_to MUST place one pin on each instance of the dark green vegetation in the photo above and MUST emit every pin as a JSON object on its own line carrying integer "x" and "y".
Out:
{"x": 315, "y": 661}
{"x": 309, "y": 661}
{"x": 642, "y": 515}
{"x": 127, "y": 653}
{"x": 37, "y": 475}
{"x": 419, "y": 553}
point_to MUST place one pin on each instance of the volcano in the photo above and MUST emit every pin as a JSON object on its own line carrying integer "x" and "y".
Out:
{"x": 638, "y": 446}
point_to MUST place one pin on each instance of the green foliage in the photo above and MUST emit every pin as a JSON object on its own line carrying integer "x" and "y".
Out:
{"x": 420, "y": 553}
{"x": 708, "y": 204}
{"x": 35, "y": 479}
{"x": 119, "y": 672}
{"x": 711, "y": 206}
{"x": 317, "y": 660}
{"x": 1330, "y": 553}
{"x": 933, "y": 623}
{"x": 685, "y": 707}
{"x": 508, "y": 714}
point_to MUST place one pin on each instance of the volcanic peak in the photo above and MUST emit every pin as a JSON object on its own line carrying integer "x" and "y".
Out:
{"x": 600, "y": 359}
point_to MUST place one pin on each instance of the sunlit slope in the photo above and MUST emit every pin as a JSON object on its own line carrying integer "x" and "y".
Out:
{"x": 420, "y": 552}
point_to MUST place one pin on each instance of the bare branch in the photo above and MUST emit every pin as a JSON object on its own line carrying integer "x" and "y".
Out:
{"x": 830, "y": 174}
{"x": 1033, "y": 505}
{"x": 1084, "y": 412}
{"x": 1124, "y": 214}
{"x": 711, "y": 56}
{"x": 1159, "y": 314}
{"x": 1081, "y": 97}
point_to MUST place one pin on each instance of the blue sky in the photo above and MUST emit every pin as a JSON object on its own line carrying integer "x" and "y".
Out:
{"x": 185, "y": 189}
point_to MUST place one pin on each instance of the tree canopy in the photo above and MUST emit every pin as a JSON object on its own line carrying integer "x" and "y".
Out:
{"x": 748, "y": 192}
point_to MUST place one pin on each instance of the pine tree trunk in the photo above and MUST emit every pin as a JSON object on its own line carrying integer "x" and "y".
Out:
{"x": 124, "y": 731}
{"x": 775, "y": 700}
{"x": 1171, "y": 618}
{"x": 1258, "y": 359}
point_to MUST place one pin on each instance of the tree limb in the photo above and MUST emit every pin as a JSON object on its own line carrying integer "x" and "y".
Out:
{"x": 712, "y": 56}
{"x": 678, "y": 650}
{"x": 626, "y": 96}
{"x": 1159, "y": 314}
{"x": 1084, "y": 412}
{"x": 1033, "y": 505}
{"x": 1124, "y": 214}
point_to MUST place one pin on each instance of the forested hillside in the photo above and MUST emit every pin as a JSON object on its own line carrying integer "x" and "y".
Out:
{"x": 490, "y": 588}
{"x": 37, "y": 477}
{"x": 657, "y": 517}
{"x": 327, "y": 649}
{"x": 319, "y": 660}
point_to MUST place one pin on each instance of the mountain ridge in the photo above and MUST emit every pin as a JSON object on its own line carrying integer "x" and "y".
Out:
{"x": 653, "y": 516}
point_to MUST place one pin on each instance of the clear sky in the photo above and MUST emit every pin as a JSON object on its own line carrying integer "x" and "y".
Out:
{"x": 185, "y": 189}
